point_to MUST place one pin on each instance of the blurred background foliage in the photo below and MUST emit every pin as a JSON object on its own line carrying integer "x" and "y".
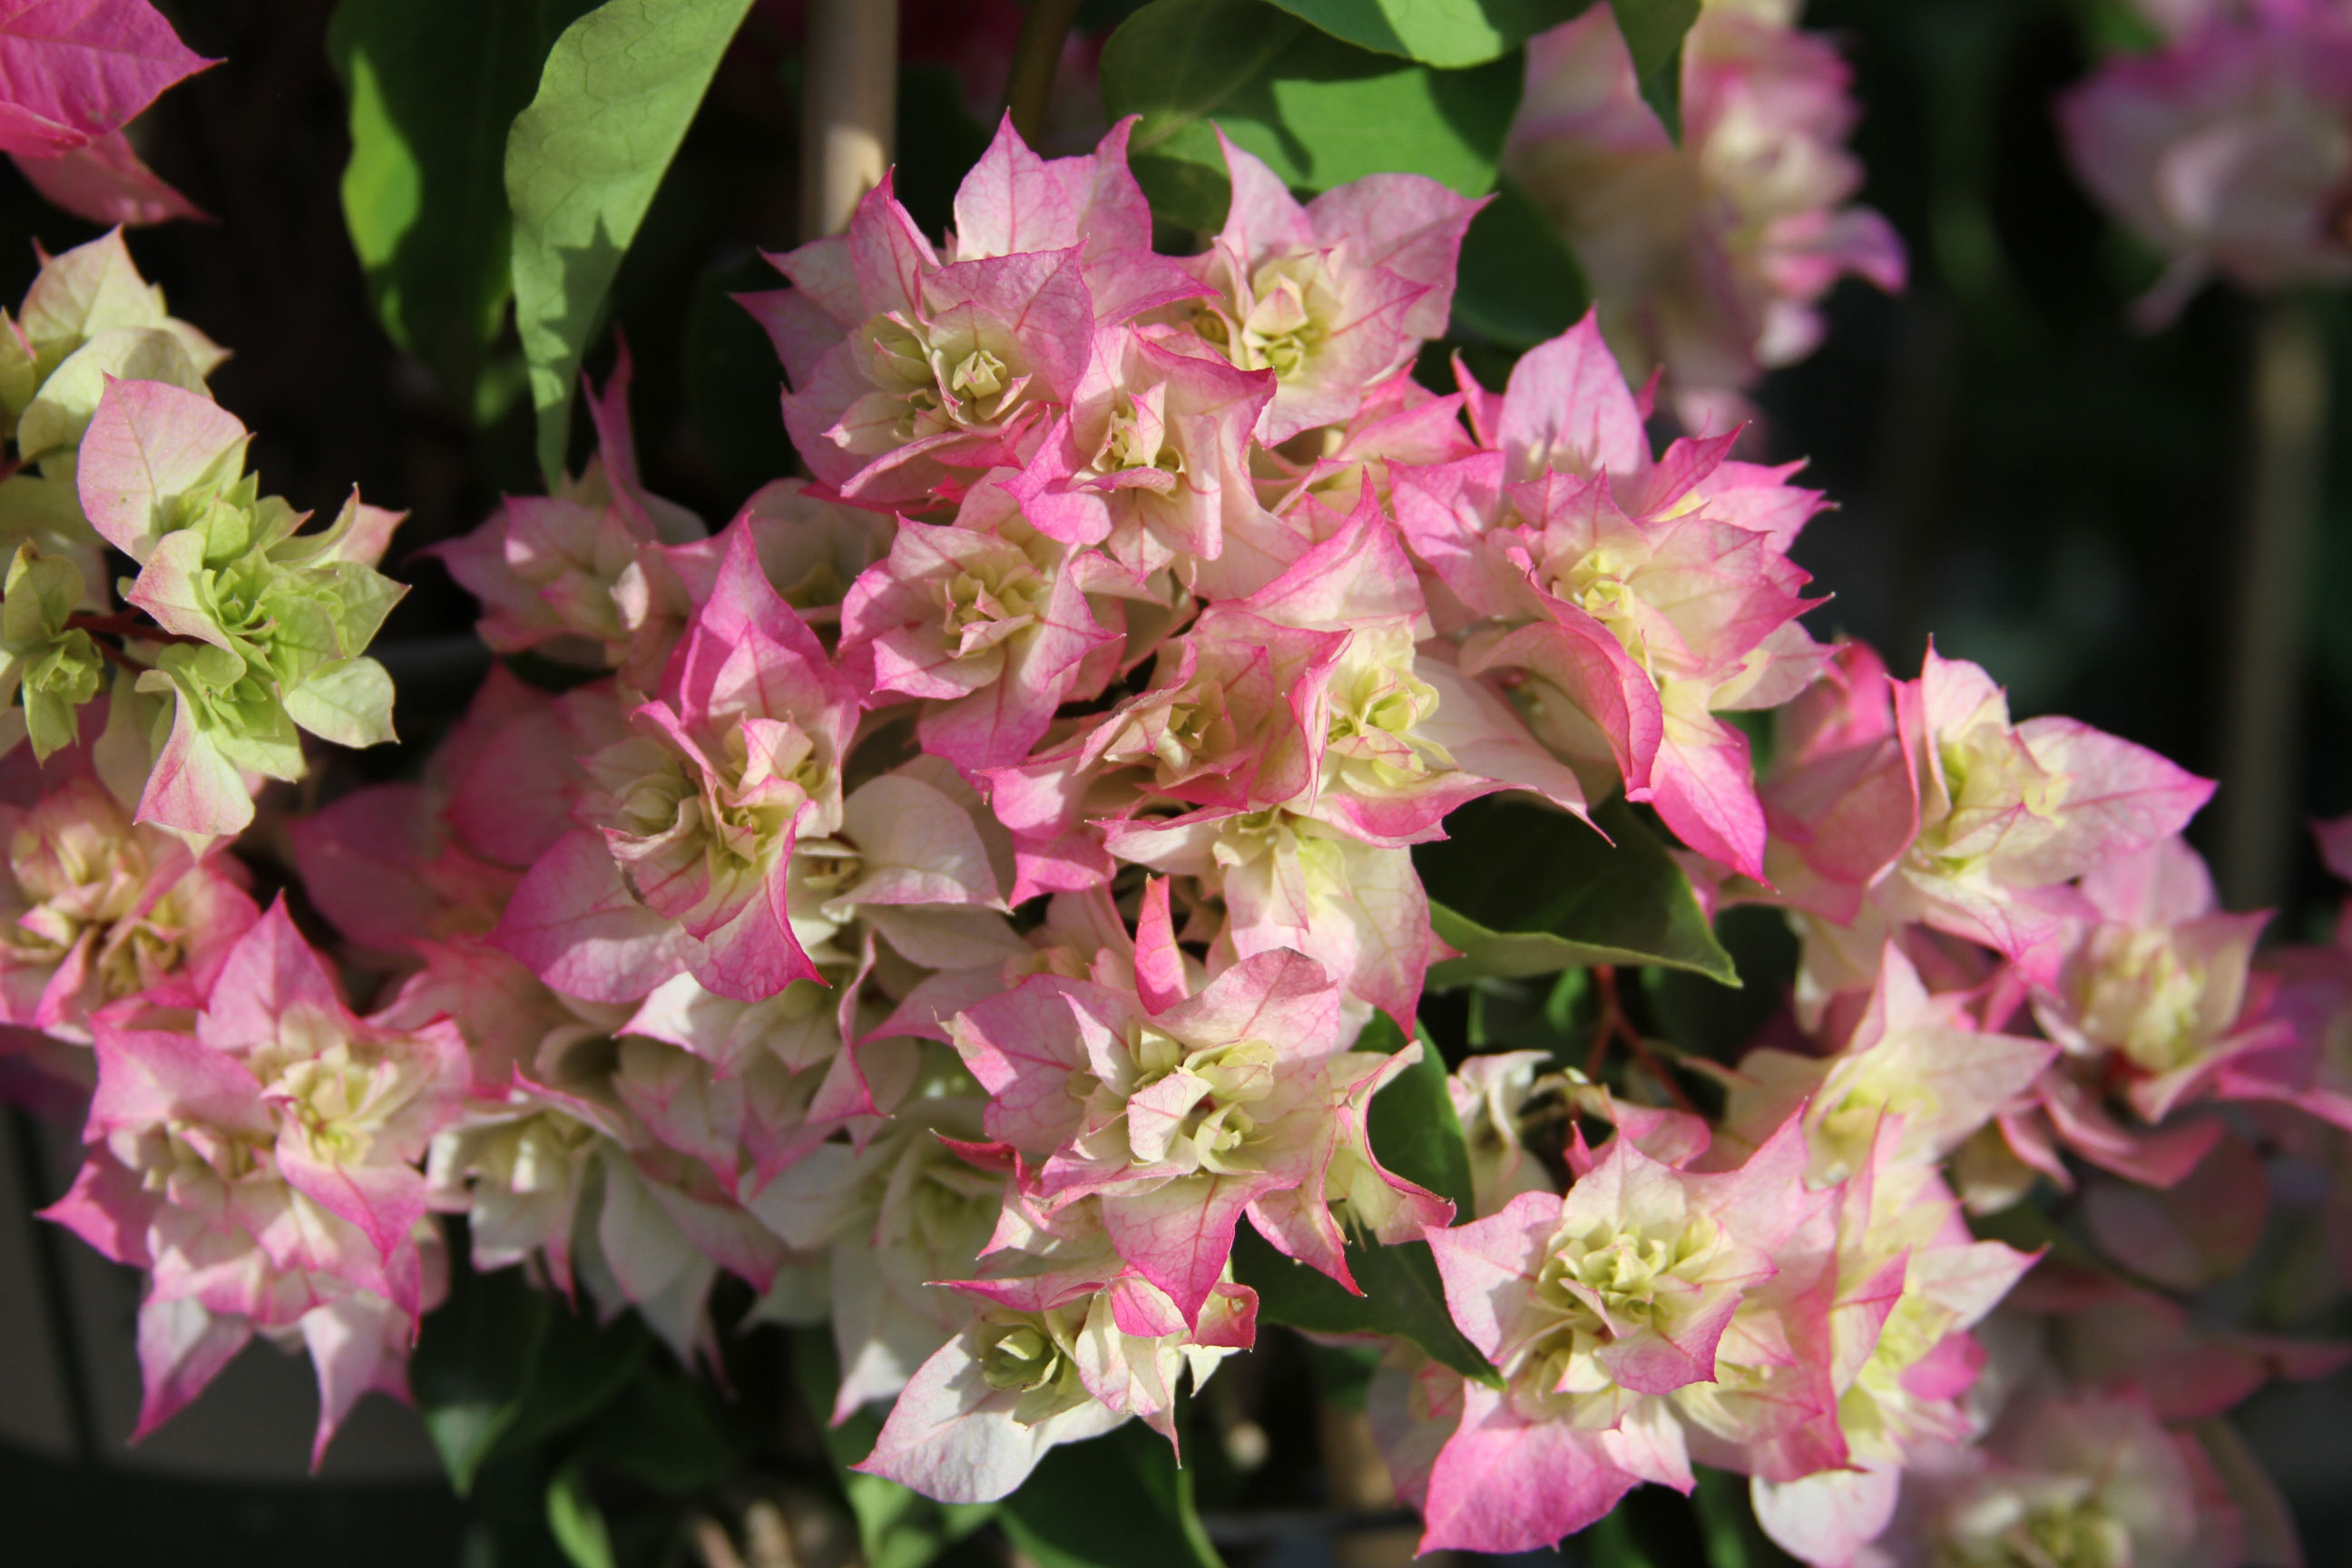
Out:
{"x": 2017, "y": 470}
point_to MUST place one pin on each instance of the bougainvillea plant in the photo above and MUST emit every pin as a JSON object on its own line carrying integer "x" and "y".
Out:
{"x": 1195, "y": 814}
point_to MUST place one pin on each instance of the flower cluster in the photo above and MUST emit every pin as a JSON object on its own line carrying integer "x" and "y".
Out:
{"x": 2224, "y": 147}
{"x": 249, "y": 1139}
{"x": 960, "y": 895}
{"x": 1707, "y": 253}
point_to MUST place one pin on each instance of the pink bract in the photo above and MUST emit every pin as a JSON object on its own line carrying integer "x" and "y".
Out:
{"x": 259, "y": 1164}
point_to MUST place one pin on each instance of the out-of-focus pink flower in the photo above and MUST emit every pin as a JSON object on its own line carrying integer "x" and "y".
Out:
{"x": 550, "y": 570}
{"x": 261, "y": 1165}
{"x": 2106, "y": 1336}
{"x": 105, "y": 182}
{"x": 2226, "y": 149}
{"x": 1707, "y": 259}
{"x": 76, "y": 72}
{"x": 2084, "y": 1478}
{"x": 101, "y": 909}
{"x": 71, "y": 77}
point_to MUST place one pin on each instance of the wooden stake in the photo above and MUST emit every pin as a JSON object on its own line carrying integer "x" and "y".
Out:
{"x": 849, "y": 107}
{"x": 2262, "y": 753}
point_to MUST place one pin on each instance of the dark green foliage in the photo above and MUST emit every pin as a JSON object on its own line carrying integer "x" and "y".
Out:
{"x": 1518, "y": 285}
{"x": 1572, "y": 896}
{"x": 431, "y": 86}
{"x": 1436, "y": 32}
{"x": 1319, "y": 112}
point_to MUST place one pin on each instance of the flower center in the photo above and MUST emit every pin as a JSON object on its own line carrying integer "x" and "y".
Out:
{"x": 1034, "y": 1354}
{"x": 1605, "y": 1284}
{"x": 1136, "y": 441}
{"x": 995, "y": 597}
{"x": 1377, "y": 705}
{"x": 2144, "y": 998}
{"x": 1289, "y": 317}
{"x": 2059, "y": 1533}
{"x": 1600, "y": 583}
{"x": 343, "y": 1095}
{"x": 1221, "y": 1081}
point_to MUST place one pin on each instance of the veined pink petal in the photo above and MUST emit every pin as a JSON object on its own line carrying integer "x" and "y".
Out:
{"x": 1503, "y": 1484}
{"x": 104, "y": 182}
{"x": 147, "y": 443}
{"x": 73, "y": 70}
{"x": 574, "y": 923}
{"x": 358, "y": 1345}
{"x": 271, "y": 970}
{"x": 1567, "y": 407}
{"x": 183, "y": 1346}
{"x": 953, "y": 1437}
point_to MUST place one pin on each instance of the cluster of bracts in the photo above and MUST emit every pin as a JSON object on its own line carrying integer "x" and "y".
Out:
{"x": 948, "y": 899}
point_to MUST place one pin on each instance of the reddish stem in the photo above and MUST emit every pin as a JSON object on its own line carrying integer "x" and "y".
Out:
{"x": 125, "y": 623}
{"x": 1615, "y": 1026}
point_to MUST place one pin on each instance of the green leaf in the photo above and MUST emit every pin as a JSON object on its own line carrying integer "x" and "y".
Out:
{"x": 1608, "y": 1542}
{"x": 583, "y": 162}
{"x": 1319, "y": 112}
{"x": 431, "y": 86}
{"x": 1436, "y": 32}
{"x": 1416, "y": 1134}
{"x": 576, "y": 1522}
{"x": 348, "y": 703}
{"x": 1522, "y": 889}
{"x": 1119, "y": 1502}
{"x": 665, "y": 1429}
{"x": 472, "y": 1360}
{"x": 1404, "y": 1295}
{"x": 579, "y": 1369}
{"x": 1518, "y": 284}
{"x": 1653, "y": 33}
{"x": 731, "y": 382}
{"x": 1728, "y": 1519}
{"x": 501, "y": 1367}
{"x": 898, "y": 1527}
{"x": 1413, "y": 1127}
{"x": 1701, "y": 1016}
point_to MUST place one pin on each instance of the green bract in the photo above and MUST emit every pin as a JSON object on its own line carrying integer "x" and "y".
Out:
{"x": 88, "y": 316}
{"x": 264, "y": 627}
{"x": 279, "y": 622}
{"x": 53, "y": 667}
